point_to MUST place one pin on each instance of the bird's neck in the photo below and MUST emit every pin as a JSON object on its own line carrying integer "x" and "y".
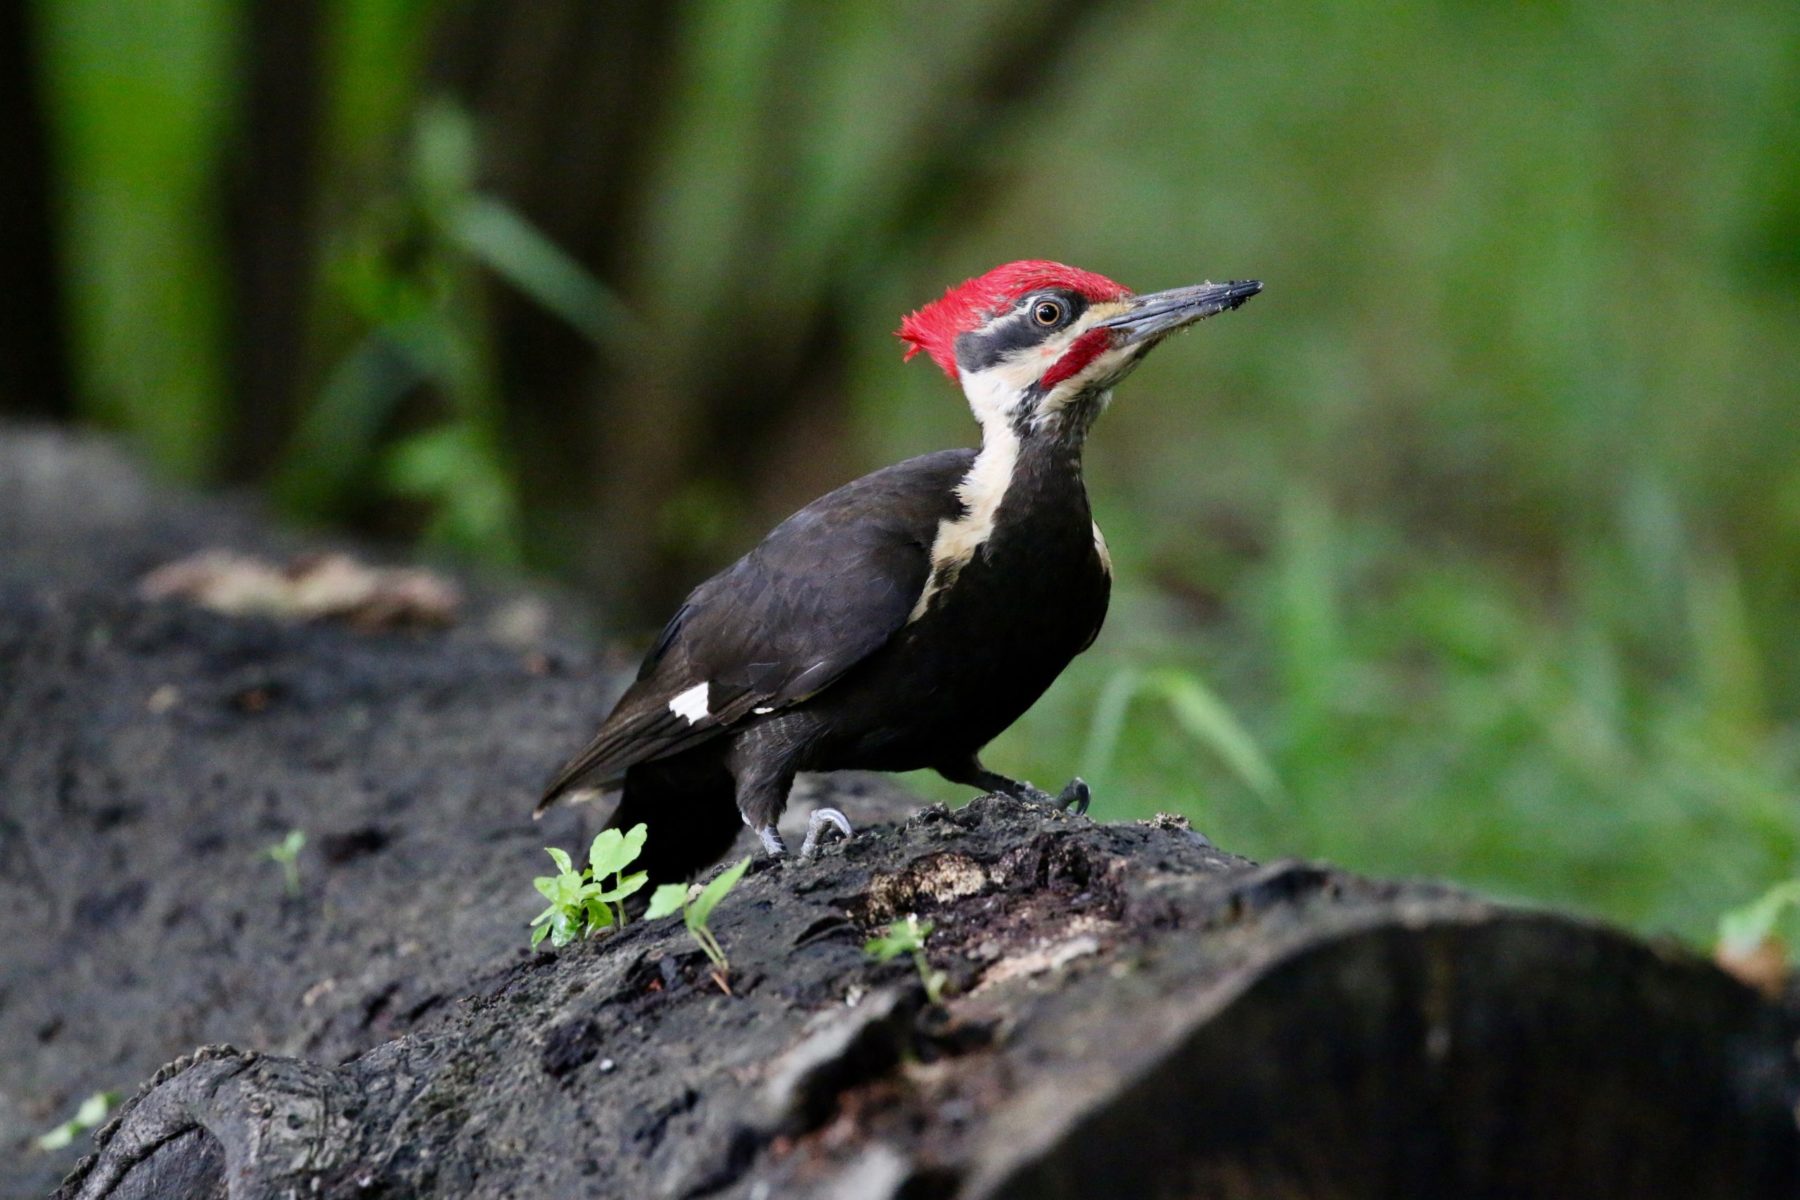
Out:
{"x": 1023, "y": 473}
{"x": 1022, "y": 468}
{"x": 1045, "y": 478}
{"x": 1037, "y": 450}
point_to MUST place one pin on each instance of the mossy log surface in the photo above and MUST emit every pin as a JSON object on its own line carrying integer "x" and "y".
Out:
{"x": 1130, "y": 1010}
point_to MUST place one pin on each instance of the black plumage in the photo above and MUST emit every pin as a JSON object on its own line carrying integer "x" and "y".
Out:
{"x": 907, "y": 618}
{"x": 811, "y": 626}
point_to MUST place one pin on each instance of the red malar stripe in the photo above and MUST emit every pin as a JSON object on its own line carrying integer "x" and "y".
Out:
{"x": 1087, "y": 348}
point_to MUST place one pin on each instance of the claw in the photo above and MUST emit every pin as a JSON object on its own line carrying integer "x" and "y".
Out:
{"x": 1075, "y": 795}
{"x": 771, "y": 840}
{"x": 821, "y": 820}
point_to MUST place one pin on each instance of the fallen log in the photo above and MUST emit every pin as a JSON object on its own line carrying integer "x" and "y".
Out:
{"x": 1128, "y": 1009}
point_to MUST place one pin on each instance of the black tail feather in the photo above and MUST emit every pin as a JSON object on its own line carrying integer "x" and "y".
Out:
{"x": 689, "y": 803}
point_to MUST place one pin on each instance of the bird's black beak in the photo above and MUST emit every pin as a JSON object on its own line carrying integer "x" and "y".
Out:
{"x": 1149, "y": 317}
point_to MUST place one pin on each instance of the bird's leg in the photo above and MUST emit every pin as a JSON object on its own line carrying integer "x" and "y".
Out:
{"x": 763, "y": 775}
{"x": 816, "y": 825}
{"x": 773, "y": 846}
{"x": 821, "y": 820}
{"x": 969, "y": 771}
{"x": 1075, "y": 795}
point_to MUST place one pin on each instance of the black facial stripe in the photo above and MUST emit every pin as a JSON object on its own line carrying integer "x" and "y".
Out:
{"x": 980, "y": 349}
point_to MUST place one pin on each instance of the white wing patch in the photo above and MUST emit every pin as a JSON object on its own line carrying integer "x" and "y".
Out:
{"x": 1101, "y": 550}
{"x": 690, "y": 706}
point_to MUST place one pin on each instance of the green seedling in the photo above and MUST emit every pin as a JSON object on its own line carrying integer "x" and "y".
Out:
{"x": 568, "y": 892}
{"x": 93, "y": 1110}
{"x": 1743, "y": 930}
{"x": 608, "y": 857}
{"x": 908, "y": 937}
{"x": 1750, "y": 944}
{"x": 673, "y": 897}
{"x": 287, "y": 853}
{"x": 584, "y": 902}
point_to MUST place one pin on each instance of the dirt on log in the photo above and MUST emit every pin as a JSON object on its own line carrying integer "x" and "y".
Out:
{"x": 1129, "y": 1010}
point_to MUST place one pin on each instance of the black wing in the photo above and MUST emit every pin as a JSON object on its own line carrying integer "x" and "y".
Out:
{"x": 828, "y": 587}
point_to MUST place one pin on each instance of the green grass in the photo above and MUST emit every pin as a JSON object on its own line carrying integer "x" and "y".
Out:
{"x": 1483, "y": 519}
{"x": 1429, "y": 717}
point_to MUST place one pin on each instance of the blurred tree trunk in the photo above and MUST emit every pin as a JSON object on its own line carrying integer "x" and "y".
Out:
{"x": 271, "y": 184}
{"x": 569, "y": 97}
{"x": 646, "y": 469}
{"x": 793, "y": 416}
{"x": 34, "y": 369}
{"x": 671, "y": 150}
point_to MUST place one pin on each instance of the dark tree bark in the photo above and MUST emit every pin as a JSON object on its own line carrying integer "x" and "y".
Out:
{"x": 1214, "y": 1029}
{"x": 1129, "y": 1010}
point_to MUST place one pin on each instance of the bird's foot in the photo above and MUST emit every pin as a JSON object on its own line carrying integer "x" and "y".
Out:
{"x": 770, "y": 836}
{"x": 821, "y": 820}
{"x": 1075, "y": 795}
{"x": 816, "y": 825}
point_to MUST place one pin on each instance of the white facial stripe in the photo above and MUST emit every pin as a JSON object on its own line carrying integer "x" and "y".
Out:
{"x": 690, "y": 706}
{"x": 1107, "y": 369}
{"x": 994, "y": 393}
{"x": 981, "y": 491}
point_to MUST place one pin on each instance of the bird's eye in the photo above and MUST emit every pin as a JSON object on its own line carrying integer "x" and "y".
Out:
{"x": 1047, "y": 312}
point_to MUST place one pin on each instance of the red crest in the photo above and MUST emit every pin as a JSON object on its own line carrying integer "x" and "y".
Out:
{"x": 935, "y": 328}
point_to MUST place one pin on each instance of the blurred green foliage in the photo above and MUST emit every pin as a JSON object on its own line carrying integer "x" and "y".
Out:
{"x": 140, "y": 102}
{"x": 408, "y": 273}
{"x": 1470, "y": 548}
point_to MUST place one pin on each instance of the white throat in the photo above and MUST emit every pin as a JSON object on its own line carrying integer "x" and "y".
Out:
{"x": 994, "y": 394}
{"x": 961, "y": 538}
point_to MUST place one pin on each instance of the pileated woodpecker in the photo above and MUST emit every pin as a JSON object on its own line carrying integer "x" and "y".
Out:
{"x": 907, "y": 618}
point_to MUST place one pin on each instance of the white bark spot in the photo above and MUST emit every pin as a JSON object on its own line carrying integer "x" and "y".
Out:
{"x": 690, "y": 706}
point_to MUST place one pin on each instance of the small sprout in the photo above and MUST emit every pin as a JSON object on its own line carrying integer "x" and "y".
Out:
{"x": 568, "y": 892}
{"x": 287, "y": 853}
{"x": 908, "y": 937}
{"x": 1750, "y": 944}
{"x": 92, "y": 1112}
{"x": 582, "y": 902}
{"x": 610, "y": 854}
{"x": 672, "y": 897}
